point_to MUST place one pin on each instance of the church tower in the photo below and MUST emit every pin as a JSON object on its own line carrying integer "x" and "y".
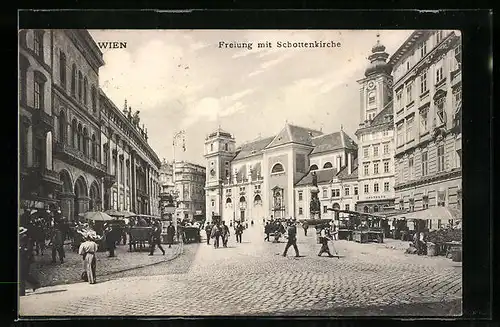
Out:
{"x": 376, "y": 88}
{"x": 219, "y": 151}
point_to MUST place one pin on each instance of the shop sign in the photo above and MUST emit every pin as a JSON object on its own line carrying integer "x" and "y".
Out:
{"x": 376, "y": 197}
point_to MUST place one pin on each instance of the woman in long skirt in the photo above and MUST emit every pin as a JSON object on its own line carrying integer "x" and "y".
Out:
{"x": 87, "y": 250}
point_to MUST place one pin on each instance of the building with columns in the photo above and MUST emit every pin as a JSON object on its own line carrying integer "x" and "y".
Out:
{"x": 376, "y": 135}
{"x": 427, "y": 114}
{"x": 39, "y": 176}
{"x": 257, "y": 179}
{"x": 133, "y": 168}
{"x": 70, "y": 146}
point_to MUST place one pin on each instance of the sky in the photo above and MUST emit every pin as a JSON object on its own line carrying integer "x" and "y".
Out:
{"x": 183, "y": 80}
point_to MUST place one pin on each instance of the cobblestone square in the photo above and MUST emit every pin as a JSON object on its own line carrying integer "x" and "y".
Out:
{"x": 252, "y": 278}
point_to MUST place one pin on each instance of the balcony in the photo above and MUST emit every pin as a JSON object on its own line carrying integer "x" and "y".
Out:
{"x": 43, "y": 120}
{"x": 76, "y": 157}
{"x": 109, "y": 180}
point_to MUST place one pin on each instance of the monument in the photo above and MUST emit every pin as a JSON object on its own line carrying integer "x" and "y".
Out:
{"x": 315, "y": 207}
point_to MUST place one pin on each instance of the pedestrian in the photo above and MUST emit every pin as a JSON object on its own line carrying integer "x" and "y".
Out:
{"x": 88, "y": 250}
{"x": 208, "y": 231}
{"x": 251, "y": 223}
{"x": 57, "y": 241}
{"x": 225, "y": 234}
{"x": 267, "y": 231}
{"x": 292, "y": 239}
{"x": 323, "y": 238}
{"x": 110, "y": 240}
{"x": 215, "y": 234}
{"x": 155, "y": 239}
{"x": 305, "y": 226}
{"x": 25, "y": 260}
{"x": 239, "y": 232}
{"x": 170, "y": 234}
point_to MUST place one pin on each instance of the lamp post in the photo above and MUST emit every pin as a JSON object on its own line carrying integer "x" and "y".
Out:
{"x": 178, "y": 136}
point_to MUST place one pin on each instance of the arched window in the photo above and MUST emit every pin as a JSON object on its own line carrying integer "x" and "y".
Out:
{"x": 80, "y": 85}
{"x": 242, "y": 199}
{"x": 62, "y": 69}
{"x": 85, "y": 141}
{"x": 79, "y": 134}
{"x": 229, "y": 201}
{"x": 74, "y": 134}
{"x": 375, "y": 208}
{"x": 93, "y": 95}
{"x": 73, "y": 80}
{"x": 365, "y": 209}
{"x": 39, "y": 90}
{"x": 327, "y": 165}
{"x": 313, "y": 167}
{"x": 85, "y": 88}
{"x": 62, "y": 127}
{"x": 94, "y": 148}
{"x": 277, "y": 168}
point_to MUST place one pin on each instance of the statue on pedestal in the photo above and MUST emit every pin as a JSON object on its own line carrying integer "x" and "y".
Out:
{"x": 135, "y": 118}
{"x": 315, "y": 206}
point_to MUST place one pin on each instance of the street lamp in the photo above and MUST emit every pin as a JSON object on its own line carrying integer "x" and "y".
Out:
{"x": 177, "y": 139}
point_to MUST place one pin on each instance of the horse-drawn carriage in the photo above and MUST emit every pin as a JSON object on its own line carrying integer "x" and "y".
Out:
{"x": 191, "y": 234}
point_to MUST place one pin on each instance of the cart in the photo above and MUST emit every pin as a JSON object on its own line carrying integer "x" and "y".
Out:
{"x": 191, "y": 234}
{"x": 139, "y": 235}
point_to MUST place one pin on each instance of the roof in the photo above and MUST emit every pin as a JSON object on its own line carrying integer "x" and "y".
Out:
{"x": 252, "y": 148}
{"x": 294, "y": 134}
{"x": 380, "y": 118}
{"x": 343, "y": 173}
{"x": 333, "y": 141}
{"x": 324, "y": 176}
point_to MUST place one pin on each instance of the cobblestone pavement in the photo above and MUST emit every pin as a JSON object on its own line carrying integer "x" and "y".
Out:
{"x": 50, "y": 274}
{"x": 252, "y": 278}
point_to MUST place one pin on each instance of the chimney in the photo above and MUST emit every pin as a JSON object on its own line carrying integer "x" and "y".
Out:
{"x": 349, "y": 163}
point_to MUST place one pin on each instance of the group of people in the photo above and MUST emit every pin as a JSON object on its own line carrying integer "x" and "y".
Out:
{"x": 220, "y": 231}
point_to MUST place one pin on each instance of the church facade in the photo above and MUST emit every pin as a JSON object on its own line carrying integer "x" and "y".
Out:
{"x": 257, "y": 180}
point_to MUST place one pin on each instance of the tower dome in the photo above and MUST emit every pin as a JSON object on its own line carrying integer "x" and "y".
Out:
{"x": 378, "y": 60}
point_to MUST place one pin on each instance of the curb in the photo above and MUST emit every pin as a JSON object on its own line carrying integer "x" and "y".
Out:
{"x": 179, "y": 251}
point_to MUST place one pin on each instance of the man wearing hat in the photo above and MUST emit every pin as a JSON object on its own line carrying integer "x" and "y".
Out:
{"x": 87, "y": 250}
{"x": 292, "y": 239}
{"x": 156, "y": 239}
{"x": 25, "y": 259}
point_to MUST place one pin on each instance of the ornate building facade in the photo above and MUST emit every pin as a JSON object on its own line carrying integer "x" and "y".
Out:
{"x": 257, "y": 180}
{"x": 64, "y": 136}
{"x": 427, "y": 109}
{"x": 376, "y": 135}
{"x": 133, "y": 167}
{"x": 39, "y": 180}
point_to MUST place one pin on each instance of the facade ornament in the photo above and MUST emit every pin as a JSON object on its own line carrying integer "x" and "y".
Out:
{"x": 135, "y": 119}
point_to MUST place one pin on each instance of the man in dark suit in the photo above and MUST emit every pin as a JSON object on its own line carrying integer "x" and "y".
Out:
{"x": 292, "y": 239}
{"x": 170, "y": 234}
{"x": 156, "y": 239}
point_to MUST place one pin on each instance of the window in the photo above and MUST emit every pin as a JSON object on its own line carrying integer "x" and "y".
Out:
{"x": 93, "y": 152}
{"x": 62, "y": 69}
{"x": 325, "y": 209}
{"x": 386, "y": 166}
{"x": 335, "y": 193}
{"x": 366, "y": 188}
{"x": 400, "y": 136}
{"x": 38, "y": 43}
{"x": 365, "y": 152}
{"x": 439, "y": 36}
{"x": 424, "y": 164}
{"x": 38, "y": 152}
{"x": 386, "y": 148}
{"x": 375, "y": 168}
{"x": 386, "y": 186}
{"x": 300, "y": 211}
{"x": 457, "y": 97}
{"x": 85, "y": 88}
{"x": 38, "y": 96}
{"x": 313, "y": 167}
{"x": 423, "y": 49}
{"x": 459, "y": 199}
{"x": 375, "y": 150}
{"x": 411, "y": 204}
{"x": 347, "y": 190}
{"x": 347, "y": 207}
{"x": 371, "y": 98}
{"x": 410, "y": 168}
{"x": 409, "y": 93}
{"x": 277, "y": 168}
{"x": 401, "y": 204}
{"x": 440, "y": 158}
{"x": 213, "y": 203}
{"x": 439, "y": 73}
{"x": 211, "y": 147}
{"x": 80, "y": 86}
{"x": 93, "y": 96}
{"x": 409, "y": 130}
{"x": 399, "y": 99}
{"x": 423, "y": 121}
{"x": 73, "y": 80}
{"x": 355, "y": 190}
{"x": 325, "y": 195}
{"x": 128, "y": 174}
{"x": 327, "y": 165}
{"x": 423, "y": 82}
{"x": 299, "y": 193}
{"x": 385, "y": 133}
{"x": 375, "y": 187}
{"x": 365, "y": 169}
{"x": 441, "y": 198}
{"x": 227, "y": 173}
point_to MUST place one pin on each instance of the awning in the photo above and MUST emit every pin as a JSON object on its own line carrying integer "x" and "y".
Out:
{"x": 433, "y": 213}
